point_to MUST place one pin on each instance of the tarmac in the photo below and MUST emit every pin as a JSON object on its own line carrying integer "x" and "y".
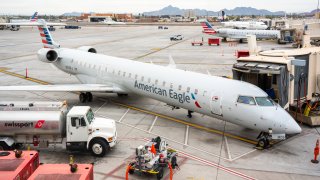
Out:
{"x": 208, "y": 148}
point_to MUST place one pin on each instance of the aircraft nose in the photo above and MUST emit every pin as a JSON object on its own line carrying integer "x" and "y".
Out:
{"x": 292, "y": 127}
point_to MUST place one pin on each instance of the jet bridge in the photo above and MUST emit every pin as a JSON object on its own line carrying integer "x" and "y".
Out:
{"x": 290, "y": 77}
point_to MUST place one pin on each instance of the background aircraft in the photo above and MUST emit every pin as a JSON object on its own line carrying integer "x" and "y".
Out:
{"x": 254, "y": 25}
{"x": 239, "y": 34}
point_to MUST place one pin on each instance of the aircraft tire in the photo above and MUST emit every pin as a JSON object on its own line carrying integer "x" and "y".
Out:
{"x": 82, "y": 97}
{"x": 262, "y": 143}
{"x": 89, "y": 96}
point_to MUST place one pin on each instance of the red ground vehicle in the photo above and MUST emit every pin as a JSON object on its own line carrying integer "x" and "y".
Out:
{"x": 63, "y": 172}
{"x": 18, "y": 168}
{"x": 215, "y": 41}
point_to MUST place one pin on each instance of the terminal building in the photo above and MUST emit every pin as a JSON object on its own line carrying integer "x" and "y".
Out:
{"x": 98, "y": 17}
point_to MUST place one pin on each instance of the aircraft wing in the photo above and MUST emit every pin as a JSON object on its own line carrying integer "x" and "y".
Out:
{"x": 65, "y": 87}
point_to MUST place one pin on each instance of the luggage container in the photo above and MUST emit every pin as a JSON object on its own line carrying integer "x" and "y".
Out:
{"x": 63, "y": 172}
{"x": 12, "y": 167}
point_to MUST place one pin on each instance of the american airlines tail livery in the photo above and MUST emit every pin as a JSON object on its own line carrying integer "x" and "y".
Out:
{"x": 226, "y": 99}
{"x": 240, "y": 34}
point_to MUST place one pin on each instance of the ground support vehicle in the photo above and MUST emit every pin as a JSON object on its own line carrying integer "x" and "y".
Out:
{"x": 44, "y": 123}
{"x": 153, "y": 158}
{"x": 215, "y": 41}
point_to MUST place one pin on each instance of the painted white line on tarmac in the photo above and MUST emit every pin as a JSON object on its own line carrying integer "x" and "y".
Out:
{"x": 151, "y": 127}
{"x": 124, "y": 115}
{"x": 100, "y": 106}
{"x": 243, "y": 155}
{"x": 186, "y": 136}
{"x": 227, "y": 147}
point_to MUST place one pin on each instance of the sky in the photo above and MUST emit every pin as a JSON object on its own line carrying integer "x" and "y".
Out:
{"x": 57, "y": 7}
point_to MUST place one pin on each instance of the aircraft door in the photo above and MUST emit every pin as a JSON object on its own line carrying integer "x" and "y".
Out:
{"x": 215, "y": 103}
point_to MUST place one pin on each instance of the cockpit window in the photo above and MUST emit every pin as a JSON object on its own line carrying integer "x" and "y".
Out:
{"x": 246, "y": 100}
{"x": 264, "y": 101}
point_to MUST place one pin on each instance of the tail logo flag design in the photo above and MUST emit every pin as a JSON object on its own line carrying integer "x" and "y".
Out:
{"x": 45, "y": 37}
{"x": 34, "y": 18}
{"x": 196, "y": 102}
{"x": 207, "y": 28}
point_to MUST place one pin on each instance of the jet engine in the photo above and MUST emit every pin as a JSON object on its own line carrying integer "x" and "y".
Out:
{"x": 48, "y": 55}
{"x": 87, "y": 49}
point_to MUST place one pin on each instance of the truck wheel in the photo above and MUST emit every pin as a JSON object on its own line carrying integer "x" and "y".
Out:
{"x": 160, "y": 174}
{"x": 173, "y": 162}
{"x": 99, "y": 147}
{"x": 131, "y": 171}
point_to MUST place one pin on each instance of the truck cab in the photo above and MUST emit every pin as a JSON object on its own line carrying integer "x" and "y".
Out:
{"x": 83, "y": 130}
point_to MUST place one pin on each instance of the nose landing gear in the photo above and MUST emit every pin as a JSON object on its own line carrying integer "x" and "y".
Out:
{"x": 264, "y": 140}
{"x": 85, "y": 97}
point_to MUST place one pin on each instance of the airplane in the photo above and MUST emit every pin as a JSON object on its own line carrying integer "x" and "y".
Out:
{"x": 109, "y": 21}
{"x": 230, "y": 100}
{"x": 15, "y": 24}
{"x": 239, "y": 33}
{"x": 254, "y": 25}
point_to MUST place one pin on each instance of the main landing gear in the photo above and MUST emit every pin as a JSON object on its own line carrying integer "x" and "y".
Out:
{"x": 264, "y": 140}
{"x": 85, "y": 97}
{"x": 189, "y": 114}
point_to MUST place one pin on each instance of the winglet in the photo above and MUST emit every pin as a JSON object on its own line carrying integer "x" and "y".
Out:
{"x": 172, "y": 64}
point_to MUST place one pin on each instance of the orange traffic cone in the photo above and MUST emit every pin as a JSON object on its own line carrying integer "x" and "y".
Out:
{"x": 316, "y": 153}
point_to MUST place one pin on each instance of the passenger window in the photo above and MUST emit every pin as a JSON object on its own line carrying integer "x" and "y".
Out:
{"x": 246, "y": 100}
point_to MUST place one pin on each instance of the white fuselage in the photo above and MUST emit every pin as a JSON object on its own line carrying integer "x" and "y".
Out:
{"x": 242, "y": 33}
{"x": 254, "y": 25}
{"x": 209, "y": 95}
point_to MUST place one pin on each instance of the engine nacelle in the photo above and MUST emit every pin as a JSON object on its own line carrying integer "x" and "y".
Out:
{"x": 87, "y": 49}
{"x": 48, "y": 55}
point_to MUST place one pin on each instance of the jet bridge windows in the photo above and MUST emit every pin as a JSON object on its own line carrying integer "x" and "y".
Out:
{"x": 246, "y": 100}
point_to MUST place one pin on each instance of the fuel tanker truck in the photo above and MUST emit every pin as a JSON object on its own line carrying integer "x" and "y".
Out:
{"x": 44, "y": 123}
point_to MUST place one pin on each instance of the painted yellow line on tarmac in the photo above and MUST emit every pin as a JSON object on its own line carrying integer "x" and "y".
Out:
{"x": 187, "y": 123}
{"x": 159, "y": 49}
{"x": 4, "y": 70}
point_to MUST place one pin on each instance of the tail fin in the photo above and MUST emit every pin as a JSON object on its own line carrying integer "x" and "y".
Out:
{"x": 207, "y": 28}
{"x": 46, "y": 37}
{"x": 34, "y": 17}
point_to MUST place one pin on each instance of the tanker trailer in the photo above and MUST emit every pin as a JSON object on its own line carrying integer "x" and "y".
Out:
{"x": 44, "y": 123}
